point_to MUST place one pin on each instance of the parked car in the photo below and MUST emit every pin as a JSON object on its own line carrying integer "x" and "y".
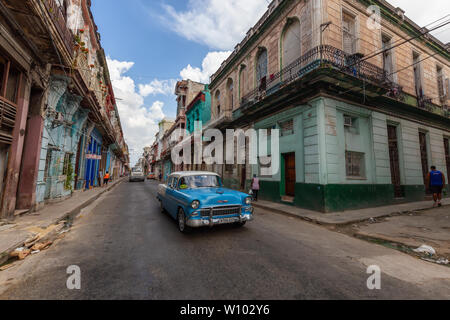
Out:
{"x": 137, "y": 175}
{"x": 196, "y": 199}
{"x": 151, "y": 176}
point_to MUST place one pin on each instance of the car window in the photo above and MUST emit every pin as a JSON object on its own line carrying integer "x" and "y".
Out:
{"x": 174, "y": 182}
{"x": 169, "y": 182}
{"x": 200, "y": 181}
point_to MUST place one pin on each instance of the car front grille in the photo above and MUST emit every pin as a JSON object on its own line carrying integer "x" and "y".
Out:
{"x": 221, "y": 211}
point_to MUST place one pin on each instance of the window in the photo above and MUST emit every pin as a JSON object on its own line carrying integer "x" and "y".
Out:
{"x": 440, "y": 83}
{"x": 387, "y": 57}
{"x": 355, "y": 165}
{"x": 261, "y": 68}
{"x": 351, "y": 124}
{"x": 230, "y": 87}
{"x": 287, "y": 127}
{"x": 242, "y": 79}
{"x": 291, "y": 43}
{"x": 349, "y": 33}
{"x": 217, "y": 103}
{"x": 67, "y": 162}
{"x": 417, "y": 75}
{"x": 9, "y": 81}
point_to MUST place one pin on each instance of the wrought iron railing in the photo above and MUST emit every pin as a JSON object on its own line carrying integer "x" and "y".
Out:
{"x": 60, "y": 21}
{"x": 324, "y": 56}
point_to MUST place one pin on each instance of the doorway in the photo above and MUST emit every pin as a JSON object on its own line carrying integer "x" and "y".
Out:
{"x": 289, "y": 174}
{"x": 424, "y": 159}
{"x": 394, "y": 160}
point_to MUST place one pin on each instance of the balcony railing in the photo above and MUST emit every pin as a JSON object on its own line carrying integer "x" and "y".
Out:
{"x": 319, "y": 57}
{"x": 60, "y": 21}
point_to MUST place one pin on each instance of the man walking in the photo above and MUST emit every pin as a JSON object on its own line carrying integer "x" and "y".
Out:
{"x": 255, "y": 187}
{"x": 436, "y": 182}
{"x": 106, "y": 178}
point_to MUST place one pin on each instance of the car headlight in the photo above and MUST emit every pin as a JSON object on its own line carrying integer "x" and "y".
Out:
{"x": 248, "y": 200}
{"x": 195, "y": 204}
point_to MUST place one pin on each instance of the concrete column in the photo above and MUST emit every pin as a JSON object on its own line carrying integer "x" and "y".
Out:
{"x": 16, "y": 149}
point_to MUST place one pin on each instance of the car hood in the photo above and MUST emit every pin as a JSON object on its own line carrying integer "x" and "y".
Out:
{"x": 216, "y": 196}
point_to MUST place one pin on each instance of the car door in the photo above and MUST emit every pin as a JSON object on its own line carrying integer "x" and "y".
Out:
{"x": 171, "y": 197}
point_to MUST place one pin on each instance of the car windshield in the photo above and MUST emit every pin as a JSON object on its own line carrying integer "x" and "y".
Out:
{"x": 137, "y": 170}
{"x": 200, "y": 181}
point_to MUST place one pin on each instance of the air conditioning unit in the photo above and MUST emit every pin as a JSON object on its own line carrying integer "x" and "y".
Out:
{"x": 348, "y": 121}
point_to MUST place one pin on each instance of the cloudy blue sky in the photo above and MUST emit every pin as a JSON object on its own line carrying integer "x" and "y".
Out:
{"x": 152, "y": 43}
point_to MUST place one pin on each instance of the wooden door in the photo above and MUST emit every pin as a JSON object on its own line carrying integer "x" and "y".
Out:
{"x": 424, "y": 158}
{"x": 289, "y": 174}
{"x": 394, "y": 159}
{"x": 447, "y": 156}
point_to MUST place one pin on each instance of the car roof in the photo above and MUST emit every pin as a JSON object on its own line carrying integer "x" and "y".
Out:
{"x": 193, "y": 173}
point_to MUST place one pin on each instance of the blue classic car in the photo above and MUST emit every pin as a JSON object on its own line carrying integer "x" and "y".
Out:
{"x": 196, "y": 199}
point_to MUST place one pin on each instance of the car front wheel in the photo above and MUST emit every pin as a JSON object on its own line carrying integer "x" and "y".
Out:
{"x": 182, "y": 222}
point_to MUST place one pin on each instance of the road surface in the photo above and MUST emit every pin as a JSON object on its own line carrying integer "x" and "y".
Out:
{"x": 127, "y": 249}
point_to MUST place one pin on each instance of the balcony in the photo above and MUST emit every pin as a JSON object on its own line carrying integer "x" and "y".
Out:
{"x": 60, "y": 22}
{"x": 321, "y": 57}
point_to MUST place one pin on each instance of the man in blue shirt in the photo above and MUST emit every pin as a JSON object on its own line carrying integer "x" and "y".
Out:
{"x": 436, "y": 182}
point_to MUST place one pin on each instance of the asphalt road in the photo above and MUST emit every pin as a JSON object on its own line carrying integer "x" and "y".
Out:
{"x": 127, "y": 249}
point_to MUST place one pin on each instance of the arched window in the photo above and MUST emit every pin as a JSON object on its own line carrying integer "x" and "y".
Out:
{"x": 290, "y": 42}
{"x": 230, "y": 88}
{"x": 242, "y": 79}
{"x": 261, "y": 68}
{"x": 217, "y": 103}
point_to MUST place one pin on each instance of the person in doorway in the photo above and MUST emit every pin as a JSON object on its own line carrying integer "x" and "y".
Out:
{"x": 106, "y": 178}
{"x": 436, "y": 182}
{"x": 255, "y": 187}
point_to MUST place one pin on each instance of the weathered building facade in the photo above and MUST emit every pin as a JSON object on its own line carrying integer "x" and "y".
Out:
{"x": 362, "y": 109}
{"x": 60, "y": 89}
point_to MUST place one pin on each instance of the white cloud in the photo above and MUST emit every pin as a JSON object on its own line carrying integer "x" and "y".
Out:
{"x": 165, "y": 87}
{"x": 220, "y": 24}
{"x": 139, "y": 123}
{"x": 210, "y": 64}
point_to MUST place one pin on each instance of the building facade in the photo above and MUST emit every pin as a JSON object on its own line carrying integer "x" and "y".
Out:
{"x": 58, "y": 96}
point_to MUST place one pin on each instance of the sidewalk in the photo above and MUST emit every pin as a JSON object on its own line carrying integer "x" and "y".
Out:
{"x": 345, "y": 217}
{"x": 40, "y": 225}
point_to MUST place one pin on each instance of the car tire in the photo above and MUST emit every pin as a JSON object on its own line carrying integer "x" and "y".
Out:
{"x": 181, "y": 221}
{"x": 161, "y": 207}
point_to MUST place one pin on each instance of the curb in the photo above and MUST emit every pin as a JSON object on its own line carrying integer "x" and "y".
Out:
{"x": 4, "y": 256}
{"x": 344, "y": 223}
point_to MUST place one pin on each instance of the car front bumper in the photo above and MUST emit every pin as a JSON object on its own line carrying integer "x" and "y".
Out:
{"x": 132, "y": 179}
{"x": 213, "y": 221}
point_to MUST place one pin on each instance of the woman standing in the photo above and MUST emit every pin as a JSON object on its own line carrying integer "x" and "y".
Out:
{"x": 255, "y": 187}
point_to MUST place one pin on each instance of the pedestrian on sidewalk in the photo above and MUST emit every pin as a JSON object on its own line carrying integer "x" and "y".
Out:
{"x": 106, "y": 178}
{"x": 255, "y": 187}
{"x": 436, "y": 182}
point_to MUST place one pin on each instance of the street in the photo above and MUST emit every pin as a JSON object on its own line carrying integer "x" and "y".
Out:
{"x": 127, "y": 249}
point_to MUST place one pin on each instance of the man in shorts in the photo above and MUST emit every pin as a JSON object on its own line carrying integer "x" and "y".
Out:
{"x": 436, "y": 182}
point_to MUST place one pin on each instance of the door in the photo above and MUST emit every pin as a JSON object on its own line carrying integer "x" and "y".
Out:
{"x": 243, "y": 176}
{"x": 447, "y": 156}
{"x": 394, "y": 159}
{"x": 424, "y": 158}
{"x": 289, "y": 174}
